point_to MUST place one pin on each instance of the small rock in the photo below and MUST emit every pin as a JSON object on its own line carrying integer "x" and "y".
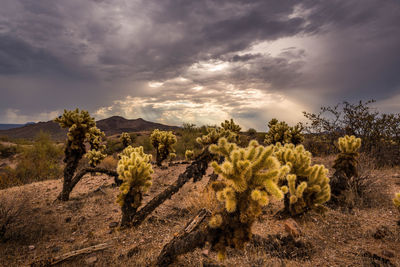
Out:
{"x": 388, "y": 253}
{"x": 91, "y": 260}
{"x": 113, "y": 224}
{"x": 292, "y": 228}
{"x": 31, "y": 247}
{"x": 205, "y": 252}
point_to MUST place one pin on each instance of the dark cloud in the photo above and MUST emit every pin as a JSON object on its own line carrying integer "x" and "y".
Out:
{"x": 90, "y": 54}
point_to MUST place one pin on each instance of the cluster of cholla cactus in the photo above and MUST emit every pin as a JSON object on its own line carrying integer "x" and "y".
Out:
{"x": 346, "y": 163}
{"x": 163, "y": 142}
{"x": 307, "y": 186}
{"x": 96, "y": 153}
{"x": 189, "y": 154}
{"x": 81, "y": 129}
{"x": 281, "y": 132}
{"x": 134, "y": 169}
{"x": 214, "y": 134}
{"x": 125, "y": 139}
{"x": 249, "y": 177}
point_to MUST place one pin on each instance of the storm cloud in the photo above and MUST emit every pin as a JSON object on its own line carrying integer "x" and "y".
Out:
{"x": 177, "y": 61}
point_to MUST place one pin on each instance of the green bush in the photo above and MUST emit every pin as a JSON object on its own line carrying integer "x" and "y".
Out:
{"x": 41, "y": 161}
{"x": 7, "y": 151}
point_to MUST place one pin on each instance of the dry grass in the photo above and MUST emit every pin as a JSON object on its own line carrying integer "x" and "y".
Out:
{"x": 338, "y": 238}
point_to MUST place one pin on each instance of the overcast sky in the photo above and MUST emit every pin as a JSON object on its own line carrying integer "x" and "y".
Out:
{"x": 196, "y": 61}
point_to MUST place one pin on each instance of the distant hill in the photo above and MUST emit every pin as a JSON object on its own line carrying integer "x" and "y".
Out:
{"x": 10, "y": 126}
{"x": 111, "y": 126}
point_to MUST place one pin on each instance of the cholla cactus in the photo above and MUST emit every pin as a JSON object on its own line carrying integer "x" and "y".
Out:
{"x": 125, "y": 139}
{"x": 81, "y": 128}
{"x": 134, "y": 169}
{"x": 347, "y": 161}
{"x": 307, "y": 186}
{"x": 231, "y": 126}
{"x": 345, "y": 164}
{"x": 249, "y": 178}
{"x": 163, "y": 142}
{"x": 189, "y": 154}
{"x": 281, "y": 132}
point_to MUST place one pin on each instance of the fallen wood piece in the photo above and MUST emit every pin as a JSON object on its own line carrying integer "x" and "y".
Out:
{"x": 196, "y": 170}
{"x": 69, "y": 255}
{"x": 197, "y": 220}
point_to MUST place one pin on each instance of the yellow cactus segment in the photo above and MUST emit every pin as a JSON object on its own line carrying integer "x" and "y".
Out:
{"x": 396, "y": 200}
{"x": 189, "y": 154}
{"x": 134, "y": 169}
{"x": 249, "y": 177}
{"x": 308, "y": 185}
{"x": 215, "y": 221}
{"x": 349, "y": 144}
{"x": 94, "y": 157}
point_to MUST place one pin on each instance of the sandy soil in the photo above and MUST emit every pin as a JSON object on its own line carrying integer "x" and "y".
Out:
{"x": 45, "y": 228}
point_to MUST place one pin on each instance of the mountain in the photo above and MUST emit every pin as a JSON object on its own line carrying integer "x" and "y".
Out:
{"x": 112, "y": 125}
{"x": 9, "y": 126}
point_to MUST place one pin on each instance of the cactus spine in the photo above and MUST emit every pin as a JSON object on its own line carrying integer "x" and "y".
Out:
{"x": 81, "y": 129}
{"x": 249, "y": 178}
{"x": 281, "y": 132}
{"x": 307, "y": 186}
{"x": 163, "y": 142}
{"x": 134, "y": 169}
{"x": 125, "y": 139}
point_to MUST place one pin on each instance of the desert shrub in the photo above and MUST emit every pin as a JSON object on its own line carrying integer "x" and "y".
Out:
{"x": 163, "y": 142}
{"x": 11, "y": 207}
{"x": 8, "y": 178}
{"x": 109, "y": 162}
{"x": 380, "y": 132}
{"x": 134, "y": 169}
{"x": 307, "y": 185}
{"x": 249, "y": 178}
{"x": 281, "y": 132}
{"x": 7, "y": 151}
{"x": 113, "y": 146}
{"x": 41, "y": 161}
